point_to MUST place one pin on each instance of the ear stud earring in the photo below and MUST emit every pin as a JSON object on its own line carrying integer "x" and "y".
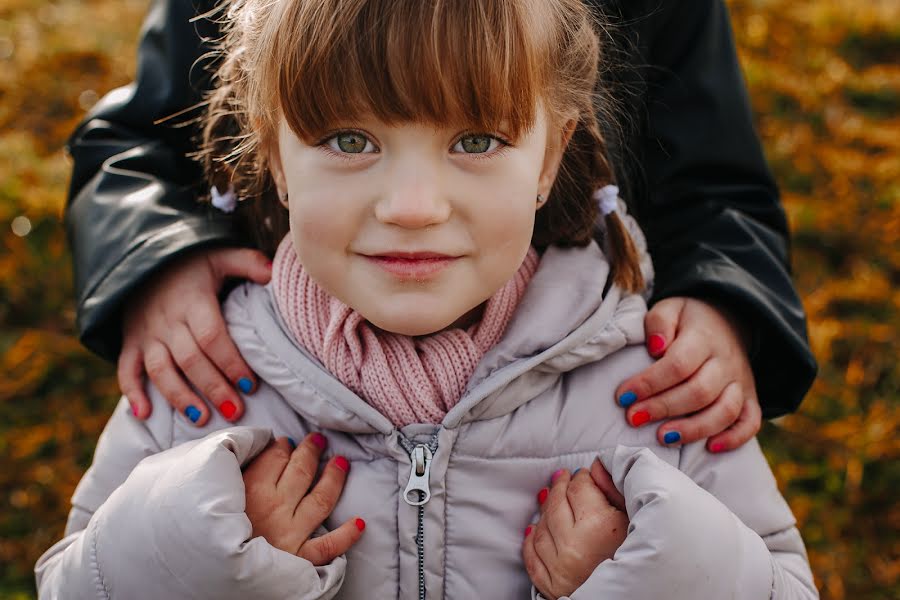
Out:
{"x": 540, "y": 199}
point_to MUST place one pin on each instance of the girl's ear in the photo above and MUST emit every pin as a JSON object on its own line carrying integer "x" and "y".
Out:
{"x": 277, "y": 172}
{"x": 557, "y": 140}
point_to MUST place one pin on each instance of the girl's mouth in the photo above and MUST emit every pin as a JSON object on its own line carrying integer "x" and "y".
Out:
{"x": 412, "y": 265}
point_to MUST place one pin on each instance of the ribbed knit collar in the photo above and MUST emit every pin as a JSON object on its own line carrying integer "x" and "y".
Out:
{"x": 408, "y": 379}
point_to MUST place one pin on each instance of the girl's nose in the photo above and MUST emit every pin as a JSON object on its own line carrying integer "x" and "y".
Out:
{"x": 413, "y": 203}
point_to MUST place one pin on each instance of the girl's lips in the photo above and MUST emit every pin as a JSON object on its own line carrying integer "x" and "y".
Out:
{"x": 420, "y": 265}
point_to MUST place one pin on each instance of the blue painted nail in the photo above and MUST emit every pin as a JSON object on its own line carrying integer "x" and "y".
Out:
{"x": 627, "y": 399}
{"x": 672, "y": 437}
{"x": 292, "y": 443}
{"x": 193, "y": 413}
{"x": 575, "y": 472}
{"x": 245, "y": 385}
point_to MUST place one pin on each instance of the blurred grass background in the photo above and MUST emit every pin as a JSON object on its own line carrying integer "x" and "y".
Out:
{"x": 824, "y": 76}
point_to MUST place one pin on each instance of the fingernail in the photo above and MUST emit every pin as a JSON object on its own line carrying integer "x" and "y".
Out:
{"x": 134, "y": 409}
{"x": 360, "y": 524}
{"x": 717, "y": 447}
{"x": 193, "y": 413}
{"x": 269, "y": 264}
{"x": 319, "y": 440}
{"x": 342, "y": 463}
{"x": 528, "y": 530}
{"x": 627, "y": 399}
{"x": 542, "y": 495}
{"x": 245, "y": 384}
{"x": 672, "y": 437}
{"x": 639, "y": 418}
{"x": 292, "y": 442}
{"x": 228, "y": 409}
{"x": 575, "y": 472}
{"x": 556, "y": 475}
{"x": 656, "y": 343}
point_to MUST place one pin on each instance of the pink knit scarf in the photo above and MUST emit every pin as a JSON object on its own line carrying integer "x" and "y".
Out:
{"x": 408, "y": 379}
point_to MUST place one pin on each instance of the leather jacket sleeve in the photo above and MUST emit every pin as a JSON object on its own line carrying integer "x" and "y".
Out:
{"x": 703, "y": 193}
{"x": 709, "y": 205}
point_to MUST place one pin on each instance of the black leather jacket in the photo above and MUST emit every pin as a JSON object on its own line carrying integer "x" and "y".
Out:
{"x": 702, "y": 190}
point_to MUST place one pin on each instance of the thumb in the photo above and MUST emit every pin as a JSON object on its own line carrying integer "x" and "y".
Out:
{"x": 661, "y": 323}
{"x": 604, "y": 481}
{"x": 242, "y": 263}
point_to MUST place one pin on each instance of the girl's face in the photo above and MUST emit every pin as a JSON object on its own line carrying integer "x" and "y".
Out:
{"x": 412, "y": 226}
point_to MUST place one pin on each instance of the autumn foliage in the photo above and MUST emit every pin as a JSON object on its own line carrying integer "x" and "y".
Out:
{"x": 824, "y": 77}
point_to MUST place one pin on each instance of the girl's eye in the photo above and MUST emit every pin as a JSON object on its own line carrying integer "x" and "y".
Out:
{"x": 476, "y": 144}
{"x": 351, "y": 142}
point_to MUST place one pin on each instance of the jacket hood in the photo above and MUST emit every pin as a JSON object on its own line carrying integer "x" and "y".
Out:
{"x": 569, "y": 316}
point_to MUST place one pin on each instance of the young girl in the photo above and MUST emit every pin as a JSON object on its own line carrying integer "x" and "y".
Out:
{"x": 441, "y": 319}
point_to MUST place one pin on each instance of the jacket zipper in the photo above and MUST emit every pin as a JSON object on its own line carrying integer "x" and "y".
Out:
{"x": 418, "y": 492}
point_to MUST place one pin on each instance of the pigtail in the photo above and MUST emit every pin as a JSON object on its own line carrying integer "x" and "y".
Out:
{"x": 623, "y": 255}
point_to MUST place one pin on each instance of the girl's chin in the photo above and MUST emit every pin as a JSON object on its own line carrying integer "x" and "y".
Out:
{"x": 426, "y": 324}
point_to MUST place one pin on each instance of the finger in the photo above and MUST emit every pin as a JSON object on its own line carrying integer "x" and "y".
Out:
{"x": 130, "y": 372}
{"x": 315, "y": 507}
{"x": 716, "y": 418}
{"x": 544, "y": 543}
{"x": 169, "y": 381}
{"x": 534, "y": 565}
{"x": 270, "y": 463}
{"x": 685, "y": 355}
{"x": 604, "y": 481}
{"x": 202, "y": 374}
{"x": 696, "y": 393}
{"x": 324, "y": 549}
{"x": 585, "y": 497}
{"x": 208, "y": 327}
{"x": 661, "y": 323}
{"x": 740, "y": 432}
{"x": 556, "y": 511}
{"x": 243, "y": 263}
{"x": 301, "y": 470}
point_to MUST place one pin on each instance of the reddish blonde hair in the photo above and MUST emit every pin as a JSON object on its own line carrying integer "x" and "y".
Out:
{"x": 472, "y": 62}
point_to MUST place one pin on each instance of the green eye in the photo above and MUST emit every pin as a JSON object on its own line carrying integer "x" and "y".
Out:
{"x": 351, "y": 142}
{"x": 476, "y": 144}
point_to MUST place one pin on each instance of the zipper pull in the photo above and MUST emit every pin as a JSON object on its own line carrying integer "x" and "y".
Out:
{"x": 420, "y": 469}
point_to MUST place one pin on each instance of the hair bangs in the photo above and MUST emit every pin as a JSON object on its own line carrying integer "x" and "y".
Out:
{"x": 472, "y": 63}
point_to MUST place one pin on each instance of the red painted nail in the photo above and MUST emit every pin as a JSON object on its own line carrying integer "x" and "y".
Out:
{"x": 717, "y": 447}
{"x": 639, "y": 418}
{"x": 134, "y": 410}
{"x": 319, "y": 440}
{"x": 360, "y": 524}
{"x": 656, "y": 344}
{"x": 342, "y": 463}
{"x": 528, "y": 530}
{"x": 556, "y": 475}
{"x": 228, "y": 409}
{"x": 542, "y": 495}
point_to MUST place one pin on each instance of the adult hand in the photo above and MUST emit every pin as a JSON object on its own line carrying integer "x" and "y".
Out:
{"x": 702, "y": 380}
{"x": 173, "y": 331}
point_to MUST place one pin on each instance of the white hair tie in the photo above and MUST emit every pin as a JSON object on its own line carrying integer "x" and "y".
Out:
{"x": 226, "y": 202}
{"x": 607, "y": 198}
